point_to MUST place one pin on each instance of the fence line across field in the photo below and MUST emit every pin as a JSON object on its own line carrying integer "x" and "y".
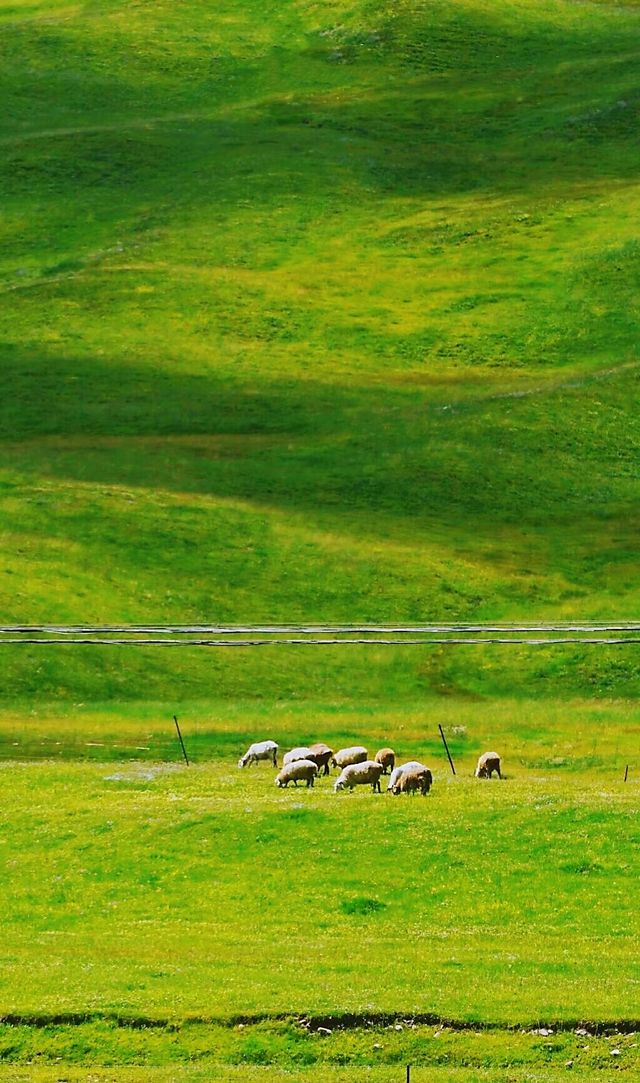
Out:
{"x": 340, "y": 637}
{"x": 583, "y": 627}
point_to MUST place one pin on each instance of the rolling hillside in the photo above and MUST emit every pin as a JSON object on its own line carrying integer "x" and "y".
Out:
{"x": 319, "y": 311}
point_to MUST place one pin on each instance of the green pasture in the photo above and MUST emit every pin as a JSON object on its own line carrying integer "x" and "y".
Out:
{"x": 170, "y": 892}
{"x": 171, "y": 916}
{"x": 318, "y": 310}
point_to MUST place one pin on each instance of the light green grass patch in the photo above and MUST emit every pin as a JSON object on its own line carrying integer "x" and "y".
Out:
{"x": 168, "y": 893}
{"x": 585, "y": 739}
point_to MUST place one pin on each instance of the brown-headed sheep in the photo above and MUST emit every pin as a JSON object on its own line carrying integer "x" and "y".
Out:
{"x": 321, "y": 754}
{"x": 487, "y": 764}
{"x": 397, "y": 773}
{"x": 413, "y": 780}
{"x": 387, "y": 757}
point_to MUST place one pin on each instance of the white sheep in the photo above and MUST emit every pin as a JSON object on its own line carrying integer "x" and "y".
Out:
{"x": 364, "y": 773}
{"x": 346, "y": 756}
{"x": 387, "y": 757}
{"x": 487, "y": 764}
{"x": 415, "y": 779}
{"x": 261, "y": 750}
{"x": 296, "y": 754}
{"x": 297, "y": 771}
{"x": 396, "y": 774}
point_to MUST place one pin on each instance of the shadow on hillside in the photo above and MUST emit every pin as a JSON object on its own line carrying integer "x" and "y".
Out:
{"x": 423, "y": 140}
{"x": 472, "y": 104}
{"x": 310, "y": 448}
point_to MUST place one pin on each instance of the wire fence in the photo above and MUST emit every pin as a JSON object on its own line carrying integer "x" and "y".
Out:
{"x": 600, "y": 633}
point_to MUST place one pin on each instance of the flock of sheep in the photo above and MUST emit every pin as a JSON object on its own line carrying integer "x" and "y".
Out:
{"x": 356, "y": 769}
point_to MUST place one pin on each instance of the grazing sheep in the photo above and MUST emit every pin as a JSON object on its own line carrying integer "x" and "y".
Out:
{"x": 321, "y": 754}
{"x": 413, "y": 780}
{"x": 296, "y": 754}
{"x": 262, "y": 750}
{"x": 359, "y": 774}
{"x": 297, "y": 771}
{"x": 387, "y": 757}
{"x": 396, "y": 774}
{"x": 347, "y": 756}
{"x": 487, "y": 764}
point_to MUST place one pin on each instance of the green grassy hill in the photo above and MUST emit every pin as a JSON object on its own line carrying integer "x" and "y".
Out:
{"x": 319, "y": 311}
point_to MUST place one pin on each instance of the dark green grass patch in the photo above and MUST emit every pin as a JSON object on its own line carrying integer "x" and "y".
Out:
{"x": 291, "y": 1046}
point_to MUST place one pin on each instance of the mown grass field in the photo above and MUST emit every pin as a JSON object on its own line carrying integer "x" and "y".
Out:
{"x": 317, "y": 312}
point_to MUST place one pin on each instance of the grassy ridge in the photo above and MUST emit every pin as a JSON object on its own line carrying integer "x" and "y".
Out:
{"x": 340, "y": 322}
{"x": 286, "y": 1049}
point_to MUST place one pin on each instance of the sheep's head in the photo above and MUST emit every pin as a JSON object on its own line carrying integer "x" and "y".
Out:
{"x": 242, "y": 762}
{"x": 428, "y": 782}
{"x": 339, "y": 785}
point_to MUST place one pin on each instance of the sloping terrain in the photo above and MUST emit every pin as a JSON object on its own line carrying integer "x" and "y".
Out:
{"x": 318, "y": 312}
{"x": 323, "y": 312}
